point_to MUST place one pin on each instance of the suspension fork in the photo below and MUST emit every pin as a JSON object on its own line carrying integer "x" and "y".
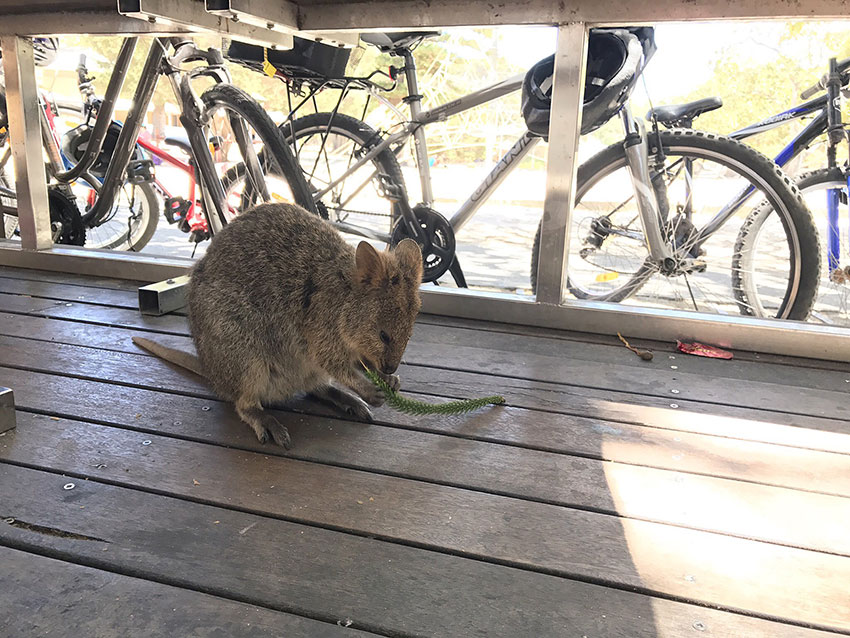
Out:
{"x": 637, "y": 158}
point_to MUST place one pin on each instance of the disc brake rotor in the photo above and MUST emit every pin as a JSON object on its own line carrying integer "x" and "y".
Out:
{"x": 437, "y": 242}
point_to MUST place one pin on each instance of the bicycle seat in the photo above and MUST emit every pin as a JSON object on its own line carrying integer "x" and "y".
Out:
{"x": 389, "y": 42}
{"x": 180, "y": 141}
{"x": 674, "y": 113}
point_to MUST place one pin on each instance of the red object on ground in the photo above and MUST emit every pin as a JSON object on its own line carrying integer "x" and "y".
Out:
{"x": 702, "y": 350}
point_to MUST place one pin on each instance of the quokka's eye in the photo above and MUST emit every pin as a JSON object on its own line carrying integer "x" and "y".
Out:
{"x": 385, "y": 337}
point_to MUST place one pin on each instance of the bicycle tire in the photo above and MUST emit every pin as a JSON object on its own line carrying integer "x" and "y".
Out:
{"x": 363, "y": 135}
{"x": 150, "y": 224}
{"x": 755, "y": 220}
{"x": 237, "y": 100}
{"x": 796, "y": 219}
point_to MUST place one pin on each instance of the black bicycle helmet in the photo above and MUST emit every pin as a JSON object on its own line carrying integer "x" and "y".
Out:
{"x": 615, "y": 59}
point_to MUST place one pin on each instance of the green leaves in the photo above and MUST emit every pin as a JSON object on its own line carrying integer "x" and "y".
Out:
{"x": 410, "y": 406}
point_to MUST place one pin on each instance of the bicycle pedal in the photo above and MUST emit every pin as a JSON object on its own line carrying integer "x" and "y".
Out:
{"x": 175, "y": 212}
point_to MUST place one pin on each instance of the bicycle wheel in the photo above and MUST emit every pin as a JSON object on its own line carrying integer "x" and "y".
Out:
{"x": 224, "y": 107}
{"x": 608, "y": 257}
{"x": 832, "y": 304}
{"x": 327, "y": 145}
{"x": 130, "y": 224}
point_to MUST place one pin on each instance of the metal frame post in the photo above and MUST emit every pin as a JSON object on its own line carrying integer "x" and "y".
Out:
{"x": 25, "y": 130}
{"x": 561, "y": 164}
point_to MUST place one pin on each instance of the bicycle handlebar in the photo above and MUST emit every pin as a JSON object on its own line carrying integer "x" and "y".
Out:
{"x": 820, "y": 85}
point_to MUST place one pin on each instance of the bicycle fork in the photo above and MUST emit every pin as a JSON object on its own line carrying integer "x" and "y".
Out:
{"x": 637, "y": 159}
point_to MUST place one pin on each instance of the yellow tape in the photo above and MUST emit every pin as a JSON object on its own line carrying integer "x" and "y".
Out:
{"x": 268, "y": 68}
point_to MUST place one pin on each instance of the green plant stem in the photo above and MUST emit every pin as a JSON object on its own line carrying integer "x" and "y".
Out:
{"x": 411, "y": 406}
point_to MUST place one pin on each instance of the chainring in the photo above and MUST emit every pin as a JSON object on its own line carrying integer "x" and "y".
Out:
{"x": 66, "y": 223}
{"x": 438, "y": 243}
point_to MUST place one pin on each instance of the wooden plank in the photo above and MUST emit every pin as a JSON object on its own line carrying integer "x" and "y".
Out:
{"x": 549, "y": 359}
{"x": 384, "y": 587}
{"x": 828, "y": 399}
{"x": 554, "y": 358}
{"x": 497, "y": 468}
{"x": 27, "y": 274}
{"x": 575, "y": 338}
{"x": 637, "y": 555}
{"x": 627, "y": 553}
{"x": 641, "y": 410}
{"x": 76, "y": 293}
{"x": 43, "y": 596}
{"x": 82, "y": 312}
{"x": 741, "y": 509}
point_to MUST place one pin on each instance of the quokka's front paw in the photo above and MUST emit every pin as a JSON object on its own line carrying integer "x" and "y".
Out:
{"x": 373, "y": 396}
{"x": 391, "y": 380}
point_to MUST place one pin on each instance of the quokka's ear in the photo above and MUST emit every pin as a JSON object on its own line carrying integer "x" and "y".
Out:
{"x": 369, "y": 267}
{"x": 409, "y": 257}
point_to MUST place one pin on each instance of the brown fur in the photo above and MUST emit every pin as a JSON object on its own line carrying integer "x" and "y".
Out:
{"x": 280, "y": 304}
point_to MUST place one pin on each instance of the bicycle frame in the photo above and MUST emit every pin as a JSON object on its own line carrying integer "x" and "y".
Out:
{"x": 192, "y": 214}
{"x": 158, "y": 62}
{"x": 814, "y": 129}
{"x": 415, "y": 129}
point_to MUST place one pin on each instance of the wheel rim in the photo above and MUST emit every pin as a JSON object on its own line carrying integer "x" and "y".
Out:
{"x": 359, "y": 199}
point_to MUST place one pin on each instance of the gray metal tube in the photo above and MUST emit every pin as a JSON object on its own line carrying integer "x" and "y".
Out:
{"x": 104, "y": 118}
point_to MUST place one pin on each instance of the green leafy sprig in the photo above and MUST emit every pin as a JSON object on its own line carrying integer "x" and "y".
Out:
{"x": 411, "y": 406}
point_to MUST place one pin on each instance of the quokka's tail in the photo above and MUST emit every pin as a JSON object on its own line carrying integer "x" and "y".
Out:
{"x": 172, "y": 355}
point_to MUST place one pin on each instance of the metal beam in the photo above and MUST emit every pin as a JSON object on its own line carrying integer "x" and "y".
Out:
{"x": 192, "y": 15}
{"x": 98, "y": 263}
{"x": 25, "y": 130}
{"x": 564, "y": 132}
{"x": 164, "y": 296}
{"x": 280, "y": 15}
{"x": 416, "y": 14}
{"x": 83, "y": 22}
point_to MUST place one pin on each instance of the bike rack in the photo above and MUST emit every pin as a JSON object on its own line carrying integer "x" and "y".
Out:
{"x": 322, "y": 20}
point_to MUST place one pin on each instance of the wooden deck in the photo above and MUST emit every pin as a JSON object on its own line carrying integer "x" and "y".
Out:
{"x": 610, "y": 497}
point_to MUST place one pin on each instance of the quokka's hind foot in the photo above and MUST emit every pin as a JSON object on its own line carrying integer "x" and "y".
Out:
{"x": 265, "y": 425}
{"x": 344, "y": 401}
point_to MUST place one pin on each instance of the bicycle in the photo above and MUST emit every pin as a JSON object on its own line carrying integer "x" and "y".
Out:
{"x": 222, "y": 112}
{"x": 127, "y": 208}
{"x": 833, "y": 178}
{"x": 639, "y": 237}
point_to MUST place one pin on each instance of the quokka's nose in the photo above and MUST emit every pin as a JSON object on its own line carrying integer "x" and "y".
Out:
{"x": 389, "y": 369}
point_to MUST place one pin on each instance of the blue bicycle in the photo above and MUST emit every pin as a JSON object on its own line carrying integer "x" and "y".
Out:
{"x": 828, "y": 185}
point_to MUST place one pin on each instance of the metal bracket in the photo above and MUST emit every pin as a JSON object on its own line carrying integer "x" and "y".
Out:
{"x": 164, "y": 296}
{"x": 7, "y": 409}
{"x": 192, "y": 15}
{"x": 279, "y": 16}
